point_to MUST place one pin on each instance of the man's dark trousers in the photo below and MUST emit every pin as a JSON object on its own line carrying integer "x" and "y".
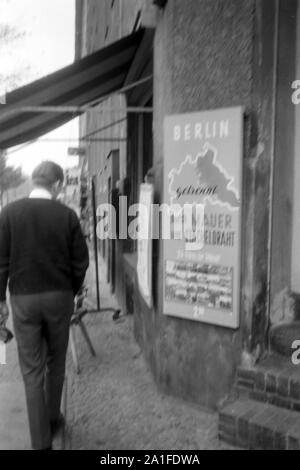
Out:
{"x": 41, "y": 324}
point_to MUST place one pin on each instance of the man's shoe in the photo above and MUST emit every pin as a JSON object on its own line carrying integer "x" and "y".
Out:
{"x": 57, "y": 425}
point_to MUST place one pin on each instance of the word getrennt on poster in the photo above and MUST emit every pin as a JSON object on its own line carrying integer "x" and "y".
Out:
{"x": 202, "y": 186}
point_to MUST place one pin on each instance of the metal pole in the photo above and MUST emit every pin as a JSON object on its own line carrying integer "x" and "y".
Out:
{"x": 11, "y": 109}
{"x": 116, "y": 311}
{"x": 93, "y": 139}
{"x": 121, "y": 90}
{"x": 271, "y": 194}
{"x": 95, "y": 241}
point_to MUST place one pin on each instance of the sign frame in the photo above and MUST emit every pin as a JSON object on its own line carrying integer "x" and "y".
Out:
{"x": 203, "y": 164}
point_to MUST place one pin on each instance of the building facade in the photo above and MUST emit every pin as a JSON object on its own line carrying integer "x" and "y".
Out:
{"x": 199, "y": 55}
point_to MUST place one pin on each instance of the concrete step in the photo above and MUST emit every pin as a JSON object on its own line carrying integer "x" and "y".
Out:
{"x": 276, "y": 381}
{"x": 251, "y": 424}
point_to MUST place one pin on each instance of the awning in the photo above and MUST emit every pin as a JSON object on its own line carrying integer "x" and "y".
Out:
{"x": 78, "y": 84}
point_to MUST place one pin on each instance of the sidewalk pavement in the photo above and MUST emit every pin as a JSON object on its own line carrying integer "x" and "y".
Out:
{"x": 13, "y": 419}
{"x": 14, "y": 434}
{"x": 14, "y": 431}
{"x": 113, "y": 403}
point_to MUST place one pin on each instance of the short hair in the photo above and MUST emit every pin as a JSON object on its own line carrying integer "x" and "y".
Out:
{"x": 47, "y": 173}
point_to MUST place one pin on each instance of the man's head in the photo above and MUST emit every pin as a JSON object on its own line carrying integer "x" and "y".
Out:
{"x": 50, "y": 176}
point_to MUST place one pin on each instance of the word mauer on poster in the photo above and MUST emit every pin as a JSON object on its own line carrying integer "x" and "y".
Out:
{"x": 203, "y": 172}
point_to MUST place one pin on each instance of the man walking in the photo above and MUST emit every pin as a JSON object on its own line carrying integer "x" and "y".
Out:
{"x": 43, "y": 259}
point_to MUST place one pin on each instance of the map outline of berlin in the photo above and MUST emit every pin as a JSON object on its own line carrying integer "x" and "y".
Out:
{"x": 227, "y": 195}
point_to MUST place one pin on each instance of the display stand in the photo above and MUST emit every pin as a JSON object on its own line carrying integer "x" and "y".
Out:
{"x": 116, "y": 311}
{"x": 80, "y": 310}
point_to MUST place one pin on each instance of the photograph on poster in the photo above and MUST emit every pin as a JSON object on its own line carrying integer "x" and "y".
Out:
{"x": 199, "y": 284}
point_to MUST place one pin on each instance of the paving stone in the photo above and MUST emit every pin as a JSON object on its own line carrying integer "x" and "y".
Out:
{"x": 246, "y": 374}
{"x": 114, "y": 403}
{"x": 271, "y": 383}
{"x": 263, "y": 426}
{"x": 260, "y": 396}
{"x": 294, "y": 436}
{"x": 295, "y": 389}
{"x": 258, "y": 428}
{"x": 282, "y": 402}
{"x": 293, "y": 443}
{"x": 243, "y": 426}
{"x": 296, "y": 406}
{"x": 14, "y": 434}
{"x": 247, "y": 384}
{"x": 283, "y": 385}
{"x": 260, "y": 381}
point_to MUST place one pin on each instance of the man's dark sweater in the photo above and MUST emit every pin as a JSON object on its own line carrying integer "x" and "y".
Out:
{"x": 42, "y": 248}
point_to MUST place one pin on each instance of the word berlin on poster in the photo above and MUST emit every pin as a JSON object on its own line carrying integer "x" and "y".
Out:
{"x": 203, "y": 168}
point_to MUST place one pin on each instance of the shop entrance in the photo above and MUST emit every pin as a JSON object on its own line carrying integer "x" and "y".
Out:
{"x": 114, "y": 176}
{"x": 284, "y": 271}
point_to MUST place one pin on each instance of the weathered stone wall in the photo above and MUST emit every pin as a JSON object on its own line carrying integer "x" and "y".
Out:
{"x": 285, "y": 203}
{"x": 207, "y": 54}
{"x": 203, "y": 60}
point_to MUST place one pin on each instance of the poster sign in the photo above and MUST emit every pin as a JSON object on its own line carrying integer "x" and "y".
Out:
{"x": 77, "y": 151}
{"x": 144, "y": 260}
{"x": 202, "y": 189}
{"x": 72, "y": 188}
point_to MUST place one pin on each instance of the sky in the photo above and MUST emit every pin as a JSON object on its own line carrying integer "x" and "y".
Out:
{"x": 49, "y": 44}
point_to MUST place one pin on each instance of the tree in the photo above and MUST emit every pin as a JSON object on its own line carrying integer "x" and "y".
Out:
{"x": 9, "y": 36}
{"x": 10, "y": 177}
